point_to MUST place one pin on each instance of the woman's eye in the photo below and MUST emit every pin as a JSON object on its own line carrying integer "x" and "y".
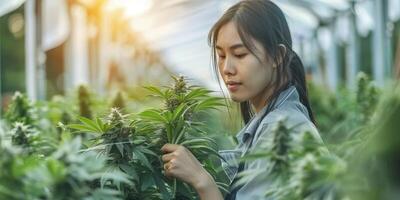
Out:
{"x": 221, "y": 56}
{"x": 241, "y": 55}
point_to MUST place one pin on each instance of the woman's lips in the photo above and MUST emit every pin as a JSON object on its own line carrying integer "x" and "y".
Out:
{"x": 233, "y": 86}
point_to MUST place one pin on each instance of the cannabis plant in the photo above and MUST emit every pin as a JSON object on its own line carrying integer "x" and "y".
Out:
{"x": 65, "y": 174}
{"x": 82, "y": 174}
{"x": 29, "y": 126}
{"x": 129, "y": 153}
{"x": 298, "y": 166}
{"x": 24, "y": 136}
{"x": 118, "y": 101}
{"x": 177, "y": 123}
{"x": 366, "y": 97}
{"x": 84, "y": 100}
{"x": 378, "y": 155}
{"x": 21, "y": 109}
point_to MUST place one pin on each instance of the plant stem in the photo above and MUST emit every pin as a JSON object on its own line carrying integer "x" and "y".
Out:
{"x": 174, "y": 189}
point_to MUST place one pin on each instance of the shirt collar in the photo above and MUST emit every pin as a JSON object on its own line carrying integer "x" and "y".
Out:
{"x": 251, "y": 127}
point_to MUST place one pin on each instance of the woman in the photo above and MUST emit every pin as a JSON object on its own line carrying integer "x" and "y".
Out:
{"x": 252, "y": 51}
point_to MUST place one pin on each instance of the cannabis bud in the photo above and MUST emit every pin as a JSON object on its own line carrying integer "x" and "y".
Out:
{"x": 115, "y": 117}
{"x": 180, "y": 86}
{"x": 21, "y": 134}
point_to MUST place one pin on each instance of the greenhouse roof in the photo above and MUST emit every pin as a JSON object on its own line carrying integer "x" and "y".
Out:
{"x": 178, "y": 28}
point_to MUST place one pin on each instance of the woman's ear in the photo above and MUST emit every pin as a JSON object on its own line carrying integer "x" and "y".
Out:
{"x": 281, "y": 53}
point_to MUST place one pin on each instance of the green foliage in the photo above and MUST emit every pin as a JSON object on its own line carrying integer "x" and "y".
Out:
{"x": 79, "y": 174}
{"x": 23, "y": 124}
{"x": 176, "y": 124}
{"x": 380, "y": 149}
{"x": 366, "y": 98}
{"x": 327, "y": 107}
{"x": 66, "y": 174}
{"x": 298, "y": 166}
{"x": 280, "y": 147}
{"x": 115, "y": 138}
{"x": 21, "y": 109}
{"x": 84, "y": 102}
{"x": 118, "y": 101}
{"x": 133, "y": 142}
{"x": 59, "y": 110}
{"x": 361, "y": 164}
{"x": 340, "y": 116}
{"x": 23, "y": 135}
{"x": 119, "y": 156}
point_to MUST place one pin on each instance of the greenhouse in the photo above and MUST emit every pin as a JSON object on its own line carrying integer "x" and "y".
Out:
{"x": 200, "y": 99}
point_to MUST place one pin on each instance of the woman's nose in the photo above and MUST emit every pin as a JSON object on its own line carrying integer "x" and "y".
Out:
{"x": 229, "y": 67}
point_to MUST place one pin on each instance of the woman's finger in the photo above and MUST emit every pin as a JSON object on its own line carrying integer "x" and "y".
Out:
{"x": 167, "y": 171}
{"x": 166, "y": 166}
{"x": 168, "y": 148}
{"x": 167, "y": 157}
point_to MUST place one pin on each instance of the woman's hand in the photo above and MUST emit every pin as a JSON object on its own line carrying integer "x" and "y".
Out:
{"x": 180, "y": 163}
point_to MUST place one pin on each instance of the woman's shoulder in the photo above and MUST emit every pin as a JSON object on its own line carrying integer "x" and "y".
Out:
{"x": 292, "y": 115}
{"x": 292, "y": 112}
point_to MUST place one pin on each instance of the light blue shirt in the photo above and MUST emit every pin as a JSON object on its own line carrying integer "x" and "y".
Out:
{"x": 288, "y": 107}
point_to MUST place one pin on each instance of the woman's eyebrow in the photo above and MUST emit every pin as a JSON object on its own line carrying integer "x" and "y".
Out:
{"x": 236, "y": 46}
{"x": 233, "y": 47}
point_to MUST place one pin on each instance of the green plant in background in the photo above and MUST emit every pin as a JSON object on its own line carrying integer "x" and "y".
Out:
{"x": 59, "y": 110}
{"x": 84, "y": 102}
{"x": 347, "y": 134}
{"x": 366, "y": 97}
{"x": 118, "y": 101}
{"x": 28, "y": 127}
{"x": 8, "y": 183}
{"x": 326, "y": 107}
{"x": 341, "y": 116}
{"x": 377, "y": 158}
{"x": 121, "y": 157}
{"x": 298, "y": 166}
{"x": 66, "y": 174}
{"x": 364, "y": 166}
{"x": 23, "y": 136}
{"x": 130, "y": 143}
{"x": 82, "y": 175}
{"x": 315, "y": 173}
{"x": 129, "y": 153}
{"x": 21, "y": 109}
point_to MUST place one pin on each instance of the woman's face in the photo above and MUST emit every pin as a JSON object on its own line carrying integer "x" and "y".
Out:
{"x": 245, "y": 76}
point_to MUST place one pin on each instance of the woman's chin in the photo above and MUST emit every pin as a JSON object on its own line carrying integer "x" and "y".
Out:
{"x": 237, "y": 99}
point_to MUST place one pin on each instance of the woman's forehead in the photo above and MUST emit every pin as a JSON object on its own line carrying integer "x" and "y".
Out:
{"x": 228, "y": 36}
{"x": 230, "y": 39}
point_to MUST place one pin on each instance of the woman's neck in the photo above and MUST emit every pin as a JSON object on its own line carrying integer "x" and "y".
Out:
{"x": 261, "y": 100}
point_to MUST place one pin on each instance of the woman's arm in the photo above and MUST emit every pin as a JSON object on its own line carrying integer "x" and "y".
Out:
{"x": 207, "y": 188}
{"x": 180, "y": 163}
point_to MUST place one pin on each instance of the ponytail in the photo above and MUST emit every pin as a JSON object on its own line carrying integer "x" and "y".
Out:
{"x": 298, "y": 79}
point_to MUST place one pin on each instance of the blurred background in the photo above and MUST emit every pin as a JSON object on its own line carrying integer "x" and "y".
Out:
{"x": 48, "y": 47}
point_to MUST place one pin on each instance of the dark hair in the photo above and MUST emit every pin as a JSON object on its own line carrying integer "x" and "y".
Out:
{"x": 265, "y": 22}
